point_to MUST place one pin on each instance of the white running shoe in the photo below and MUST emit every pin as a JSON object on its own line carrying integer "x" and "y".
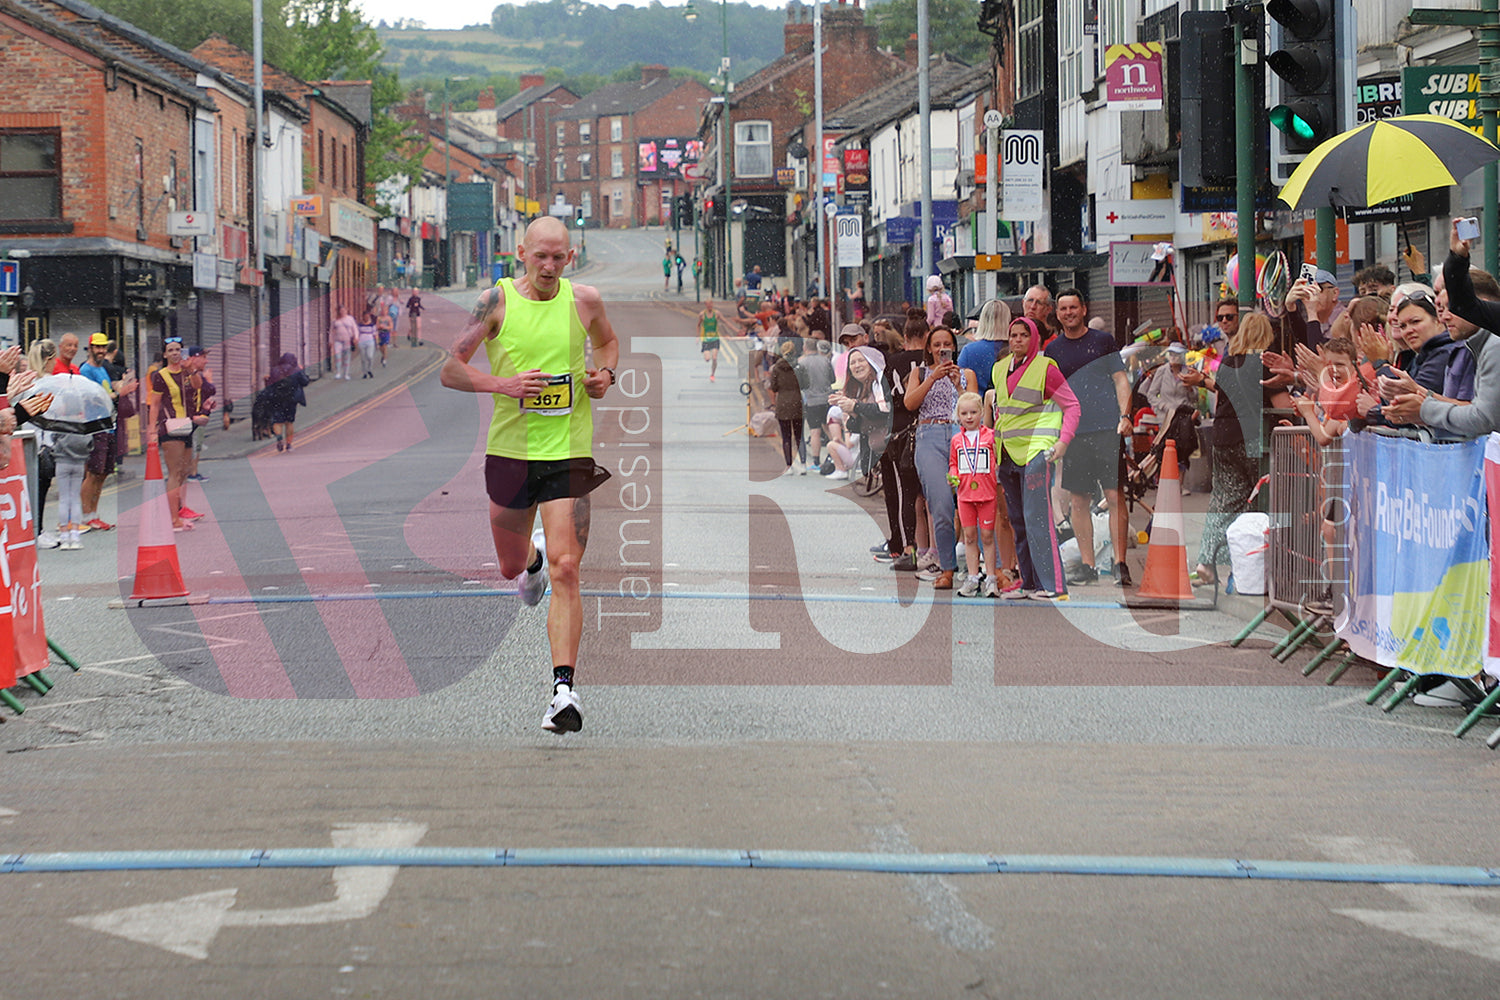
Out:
{"x": 928, "y": 562}
{"x": 991, "y": 587}
{"x": 565, "y": 714}
{"x": 791, "y": 470}
{"x": 838, "y": 474}
{"x": 970, "y": 587}
{"x": 47, "y": 540}
{"x": 534, "y": 585}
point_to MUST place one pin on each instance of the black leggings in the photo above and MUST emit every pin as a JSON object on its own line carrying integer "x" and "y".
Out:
{"x": 901, "y": 491}
{"x": 791, "y": 437}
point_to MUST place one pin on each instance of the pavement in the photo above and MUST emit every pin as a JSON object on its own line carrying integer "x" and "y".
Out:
{"x": 327, "y": 398}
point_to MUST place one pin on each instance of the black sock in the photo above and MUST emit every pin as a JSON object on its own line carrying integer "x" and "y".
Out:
{"x": 536, "y": 564}
{"x": 562, "y": 675}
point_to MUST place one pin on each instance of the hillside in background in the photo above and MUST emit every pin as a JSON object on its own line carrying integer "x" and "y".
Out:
{"x": 580, "y": 39}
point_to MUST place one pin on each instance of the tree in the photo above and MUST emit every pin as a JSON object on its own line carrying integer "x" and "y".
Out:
{"x": 332, "y": 41}
{"x": 186, "y": 23}
{"x": 953, "y": 27}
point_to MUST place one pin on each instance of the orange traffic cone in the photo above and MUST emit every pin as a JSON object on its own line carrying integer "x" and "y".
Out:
{"x": 157, "y": 573}
{"x": 1166, "y": 575}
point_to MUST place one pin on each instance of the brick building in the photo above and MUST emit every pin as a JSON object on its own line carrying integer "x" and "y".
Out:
{"x": 334, "y": 126}
{"x": 527, "y": 121}
{"x": 766, "y": 111}
{"x": 620, "y": 151}
{"x": 102, "y": 132}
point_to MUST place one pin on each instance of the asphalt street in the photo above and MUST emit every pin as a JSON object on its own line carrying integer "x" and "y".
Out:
{"x": 354, "y": 672}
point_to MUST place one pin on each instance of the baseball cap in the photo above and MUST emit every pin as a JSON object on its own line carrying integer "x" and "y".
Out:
{"x": 1177, "y": 349}
{"x": 851, "y": 330}
{"x": 1325, "y": 278}
{"x": 99, "y": 339}
{"x": 195, "y": 351}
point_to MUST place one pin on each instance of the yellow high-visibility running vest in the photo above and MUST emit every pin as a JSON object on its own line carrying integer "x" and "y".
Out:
{"x": 548, "y": 336}
{"x": 1025, "y": 426}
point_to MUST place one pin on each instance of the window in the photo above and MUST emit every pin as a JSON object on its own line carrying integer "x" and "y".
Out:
{"x": 560, "y": 167}
{"x": 616, "y": 163}
{"x": 586, "y": 203}
{"x": 616, "y": 203}
{"x": 752, "y": 149}
{"x": 30, "y": 175}
{"x": 586, "y": 166}
{"x": 322, "y": 171}
{"x": 1029, "y": 48}
{"x": 562, "y": 133}
{"x": 616, "y": 129}
{"x": 585, "y": 132}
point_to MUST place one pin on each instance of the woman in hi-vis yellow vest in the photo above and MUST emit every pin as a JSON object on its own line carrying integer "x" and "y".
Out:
{"x": 1031, "y": 437}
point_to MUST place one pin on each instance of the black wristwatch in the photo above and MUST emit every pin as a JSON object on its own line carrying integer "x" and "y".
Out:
{"x": 611, "y": 375}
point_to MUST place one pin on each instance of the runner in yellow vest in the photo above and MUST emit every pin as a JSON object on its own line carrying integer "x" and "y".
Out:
{"x": 1031, "y": 435}
{"x": 708, "y": 338}
{"x": 539, "y": 454}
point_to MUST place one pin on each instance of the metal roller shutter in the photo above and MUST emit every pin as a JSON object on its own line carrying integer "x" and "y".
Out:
{"x": 236, "y": 360}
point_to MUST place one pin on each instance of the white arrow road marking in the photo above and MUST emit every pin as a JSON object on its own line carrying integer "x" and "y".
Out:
{"x": 187, "y": 926}
{"x": 7, "y": 815}
{"x": 1438, "y": 914}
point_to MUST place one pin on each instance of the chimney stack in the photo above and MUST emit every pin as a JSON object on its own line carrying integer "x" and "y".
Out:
{"x": 653, "y": 72}
{"x": 529, "y": 80}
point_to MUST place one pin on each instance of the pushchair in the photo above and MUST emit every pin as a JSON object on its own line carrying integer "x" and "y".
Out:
{"x": 1144, "y": 457}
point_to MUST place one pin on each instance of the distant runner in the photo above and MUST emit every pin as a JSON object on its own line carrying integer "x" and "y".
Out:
{"x": 708, "y": 337}
{"x": 540, "y": 451}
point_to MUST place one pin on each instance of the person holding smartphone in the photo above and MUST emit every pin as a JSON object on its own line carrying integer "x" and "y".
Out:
{"x": 1312, "y": 304}
{"x": 932, "y": 390}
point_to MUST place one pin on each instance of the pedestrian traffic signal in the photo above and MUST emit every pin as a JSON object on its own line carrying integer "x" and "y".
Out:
{"x": 1308, "y": 62}
{"x": 684, "y": 209}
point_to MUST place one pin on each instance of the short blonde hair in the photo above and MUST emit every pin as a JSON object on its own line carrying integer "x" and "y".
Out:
{"x": 970, "y": 397}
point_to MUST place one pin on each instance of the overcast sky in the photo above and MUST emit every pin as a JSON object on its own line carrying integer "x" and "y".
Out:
{"x": 461, "y": 13}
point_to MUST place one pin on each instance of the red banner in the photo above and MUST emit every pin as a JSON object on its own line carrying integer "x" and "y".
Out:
{"x": 22, "y": 580}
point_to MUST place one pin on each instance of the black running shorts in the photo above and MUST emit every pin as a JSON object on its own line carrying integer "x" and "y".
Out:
{"x": 520, "y": 485}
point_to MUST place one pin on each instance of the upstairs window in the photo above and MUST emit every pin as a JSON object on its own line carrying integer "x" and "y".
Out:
{"x": 30, "y": 175}
{"x": 752, "y": 149}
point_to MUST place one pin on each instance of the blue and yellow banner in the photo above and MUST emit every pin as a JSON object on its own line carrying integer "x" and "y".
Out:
{"x": 1418, "y": 554}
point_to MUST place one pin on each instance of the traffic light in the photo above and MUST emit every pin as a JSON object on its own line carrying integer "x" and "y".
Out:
{"x": 684, "y": 209}
{"x": 1311, "y": 51}
{"x": 578, "y": 217}
{"x": 1207, "y": 152}
{"x": 1206, "y": 77}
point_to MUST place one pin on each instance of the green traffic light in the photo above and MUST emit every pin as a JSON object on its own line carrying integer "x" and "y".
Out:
{"x": 1293, "y": 124}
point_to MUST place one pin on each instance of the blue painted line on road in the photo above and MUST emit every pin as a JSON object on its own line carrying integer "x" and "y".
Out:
{"x": 677, "y": 857}
{"x": 411, "y": 595}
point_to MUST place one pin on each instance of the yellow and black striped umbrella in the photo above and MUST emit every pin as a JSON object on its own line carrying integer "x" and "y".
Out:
{"x": 1387, "y": 159}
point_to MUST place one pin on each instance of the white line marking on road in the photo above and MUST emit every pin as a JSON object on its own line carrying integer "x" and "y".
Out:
{"x": 1438, "y": 914}
{"x": 187, "y": 926}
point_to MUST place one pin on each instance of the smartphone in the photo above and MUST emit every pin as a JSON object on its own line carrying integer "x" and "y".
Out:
{"x": 945, "y": 355}
{"x": 1308, "y": 273}
{"x": 1467, "y": 229}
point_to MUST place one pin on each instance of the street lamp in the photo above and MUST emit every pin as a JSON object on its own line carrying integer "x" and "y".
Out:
{"x": 447, "y": 179}
{"x": 727, "y": 88}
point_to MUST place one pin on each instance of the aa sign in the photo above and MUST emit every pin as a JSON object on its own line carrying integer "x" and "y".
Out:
{"x": 1132, "y": 77}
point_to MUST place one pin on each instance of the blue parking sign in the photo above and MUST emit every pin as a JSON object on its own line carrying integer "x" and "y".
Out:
{"x": 10, "y": 277}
